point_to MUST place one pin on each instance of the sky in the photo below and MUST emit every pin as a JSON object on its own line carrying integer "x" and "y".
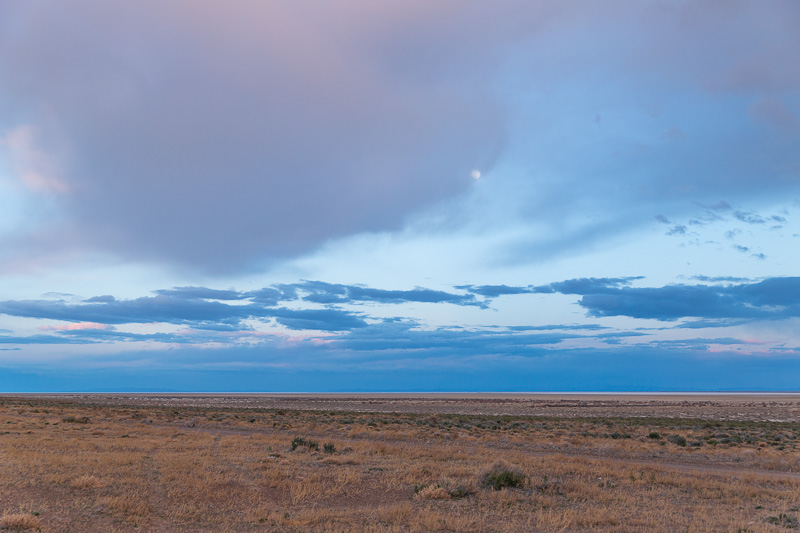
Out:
{"x": 354, "y": 196}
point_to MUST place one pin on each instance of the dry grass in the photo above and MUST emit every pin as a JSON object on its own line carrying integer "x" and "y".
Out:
{"x": 146, "y": 469}
{"x": 20, "y": 522}
{"x": 433, "y": 492}
{"x": 86, "y": 482}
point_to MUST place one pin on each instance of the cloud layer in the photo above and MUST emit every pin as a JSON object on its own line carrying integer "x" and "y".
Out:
{"x": 215, "y": 136}
{"x": 214, "y": 315}
{"x": 770, "y": 299}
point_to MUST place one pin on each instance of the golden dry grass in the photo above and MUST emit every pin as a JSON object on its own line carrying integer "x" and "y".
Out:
{"x": 86, "y": 481}
{"x": 146, "y": 469}
{"x": 20, "y": 522}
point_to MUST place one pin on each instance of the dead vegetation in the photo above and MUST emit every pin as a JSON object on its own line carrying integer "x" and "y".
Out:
{"x": 132, "y": 468}
{"x": 20, "y": 522}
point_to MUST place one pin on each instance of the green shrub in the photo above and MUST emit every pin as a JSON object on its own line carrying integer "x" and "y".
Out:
{"x": 654, "y": 435}
{"x": 785, "y": 520}
{"x": 328, "y": 447}
{"x": 73, "y": 420}
{"x": 502, "y": 475}
{"x": 301, "y": 442}
{"x": 680, "y": 440}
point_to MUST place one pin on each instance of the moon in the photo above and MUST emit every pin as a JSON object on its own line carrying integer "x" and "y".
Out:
{"x": 476, "y": 174}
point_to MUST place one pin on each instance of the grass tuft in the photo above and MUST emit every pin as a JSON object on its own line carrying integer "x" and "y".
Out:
{"x": 86, "y": 482}
{"x": 501, "y": 475}
{"x": 433, "y": 492}
{"x": 20, "y": 522}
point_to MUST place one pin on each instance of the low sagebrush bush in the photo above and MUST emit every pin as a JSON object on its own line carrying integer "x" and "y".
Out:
{"x": 307, "y": 443}
{"x": 680, "y": 440}
{"x": 328, "y": 447}
{"x": 457, "y": 489}
{"x": 74, "y": 420}
{"x": 501, "y": 475}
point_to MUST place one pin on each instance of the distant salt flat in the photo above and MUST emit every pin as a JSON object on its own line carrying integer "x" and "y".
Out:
{"x": 749, "y": 406}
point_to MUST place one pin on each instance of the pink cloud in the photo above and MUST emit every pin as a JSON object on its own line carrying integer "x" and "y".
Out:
{"x": 77, "y": 327}
{"x": 33, "y": 166}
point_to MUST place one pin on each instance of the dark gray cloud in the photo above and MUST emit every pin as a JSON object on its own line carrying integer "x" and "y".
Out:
{"x": 711, "y": 323}
{"x": 318, "y": 319}
{"x": 106, "y": 298}
{"x": 111, "y": 335}
{"x": 270, "y": 296}
{"x": 583, "y": 285}
{"x": 200, "y": 293}
{"x": 748, "y": 250}
{"x": 699, "y": 344}
{"x": 366, "y": 294}
{"x": 716, "y": 279}
{"x": 202, "y": 314}
{"x": 570, "y": 286}
{"x": 720, "y": 305}
{"x": 140, "y": 310}
{"x": 231, "y": 326}
{"x": 620, "y": 335}
{"x": 677, "y": 230}
{"x": 493, "y": 291}
{"x": 42, "y": 339}
{"x": 749, "y": 218}
{"x": 403, "y": 337}
{"x": 330, "y": 293}
{"x": 206, "y": 309}
{"x": 771, "y": 299}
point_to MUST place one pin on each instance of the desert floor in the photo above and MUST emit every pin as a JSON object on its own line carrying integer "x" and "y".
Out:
{"x": 399, "y": 462}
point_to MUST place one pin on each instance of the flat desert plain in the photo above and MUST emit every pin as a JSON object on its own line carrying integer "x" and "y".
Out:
{"x": 400, "y": 462}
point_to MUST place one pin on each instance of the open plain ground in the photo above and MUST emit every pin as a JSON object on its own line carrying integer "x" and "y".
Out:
{"x": 399, "y": 462}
